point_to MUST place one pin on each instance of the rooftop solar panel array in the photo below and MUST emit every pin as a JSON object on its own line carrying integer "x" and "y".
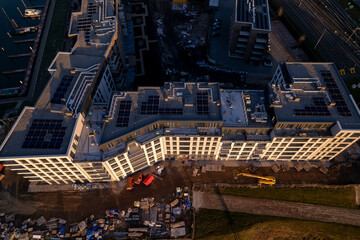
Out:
{"x": 124, "y": 114}
{"x": 335, "y": 94}
{"x": 45, "y": 134}
{"x": 61, "y": 89}
{"x": 151, "y": 106}
{"x": 318, "y": 109}
{"x": 170, "y": 111}
{"x": 202, "y": 103}
{"x": 92, "y": 8}
{"x": 84, "y": 24}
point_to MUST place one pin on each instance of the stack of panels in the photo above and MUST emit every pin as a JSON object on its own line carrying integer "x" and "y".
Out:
{"x": 39, "y": 129}
{"x": 202, "y": 103}
{"x": 124, "y": 114}
{"x": 61, "y": 89}
{"x": 335, "y": 94}
{"x": 151, "y": 106}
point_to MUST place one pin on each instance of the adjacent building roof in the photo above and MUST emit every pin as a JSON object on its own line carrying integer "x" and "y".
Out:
{"x": 244, "y": 108}
{"x": 39, "y": 132}
{"x": 46, "y": 129}
{"x": 313, "y": 92}
{"x": 255, "y": 12}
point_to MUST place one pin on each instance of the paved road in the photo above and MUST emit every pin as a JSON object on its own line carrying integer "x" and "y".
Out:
{"x": 276, "y": 208}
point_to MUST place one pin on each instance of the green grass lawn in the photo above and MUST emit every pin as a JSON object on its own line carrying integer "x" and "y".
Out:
{"x": 53, "y": 45}
{"x": 336, "y": 197}
{"x": 214, "y": 224}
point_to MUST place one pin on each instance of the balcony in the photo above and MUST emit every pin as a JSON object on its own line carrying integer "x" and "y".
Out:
{"x": 243, "y": 39}
{"x": 244, "y": 33}
{"x": 259, "y": 46}
{"x": 257, "y": 52}
{"x": 240, "y": 51}
{"x": 261, "y": 40}
{"x": 241, "y": 45}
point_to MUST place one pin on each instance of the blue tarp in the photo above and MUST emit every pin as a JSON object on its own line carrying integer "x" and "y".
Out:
{"x": 187, "y": 204}
{"x": 61, "y": 230}
{"x": 89, "y": 234}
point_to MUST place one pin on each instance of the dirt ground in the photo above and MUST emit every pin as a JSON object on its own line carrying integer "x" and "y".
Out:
{"x": 76, "y": 206}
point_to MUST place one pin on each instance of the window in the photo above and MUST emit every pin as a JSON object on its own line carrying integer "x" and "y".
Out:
{"x": 184, "y": 148}
{"x": 72, "y": 154}
{"x": 184, "y": 139}
{"x": 77, "y": 138}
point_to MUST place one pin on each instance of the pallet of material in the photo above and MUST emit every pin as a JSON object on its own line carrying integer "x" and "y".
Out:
{"x": 143, "y": 229}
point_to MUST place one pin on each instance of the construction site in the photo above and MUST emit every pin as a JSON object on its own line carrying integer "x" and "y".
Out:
{"x": 148, "y": 145}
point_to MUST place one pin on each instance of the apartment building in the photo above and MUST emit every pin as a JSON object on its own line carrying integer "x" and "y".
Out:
{"x": 250, "y": 31}
{"x": 44, "y": 140}
{"x": 73, "y": 134}
{"x": 316, "y": 117}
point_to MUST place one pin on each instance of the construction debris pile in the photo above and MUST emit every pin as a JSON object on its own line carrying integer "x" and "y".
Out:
{"x": 146, "y": 219}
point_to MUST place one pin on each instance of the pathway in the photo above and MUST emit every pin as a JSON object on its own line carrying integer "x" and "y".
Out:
{"x": 276, "y": 208}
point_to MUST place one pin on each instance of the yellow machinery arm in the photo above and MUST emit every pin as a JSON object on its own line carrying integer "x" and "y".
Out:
{"x": 266, "y": 180}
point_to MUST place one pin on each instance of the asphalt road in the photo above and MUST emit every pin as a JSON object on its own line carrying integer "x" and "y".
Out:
{"x": 326, "y": 21}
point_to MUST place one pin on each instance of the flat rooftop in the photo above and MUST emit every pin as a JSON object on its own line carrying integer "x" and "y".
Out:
{"x": 175, "y": 101}
{"x": 255, "y": 12}
{"x": 39, "y": 132}
{"x": 244, "y": 108}
{"x": 96, "y": 21}
{"x": 46, "y": 129}
{"x": 313, "y": 92}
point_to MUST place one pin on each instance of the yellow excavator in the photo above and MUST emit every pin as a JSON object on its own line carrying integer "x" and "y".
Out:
{"x": 269, "y": 180}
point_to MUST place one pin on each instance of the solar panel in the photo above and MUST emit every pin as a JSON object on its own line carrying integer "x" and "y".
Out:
{"x": 42, "y": 129}
{"x": 84, "y": 23}
{"x": 318, "y": 109}
{"x": 151, "y": 106}
{"x": 202, "y": 103}
{"x": 60, "y": 91}
{"x": 91, "y": 9}
{"x": 170, "y": 111}
{"x": 123, "y": 114}
{"x": 335, "y": 93}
